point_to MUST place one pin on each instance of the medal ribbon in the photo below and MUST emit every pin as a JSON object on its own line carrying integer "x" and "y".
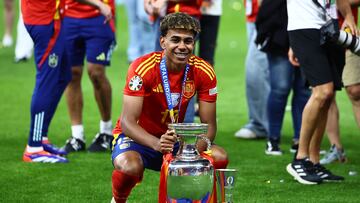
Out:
{"x": 167, "y": 91}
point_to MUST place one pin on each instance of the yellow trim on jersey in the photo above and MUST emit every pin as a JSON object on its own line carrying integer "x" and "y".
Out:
{"x": 146, "y": 70}
{"x": 146, "y": 63}
{"x": 205, "y": 71}
{"x": 113, "y": 143}
{"x": 202, "y": 65}
{"x": 208, "y": 68}
{"x": 177, "y": 8}
{"x": 57, "y": 12}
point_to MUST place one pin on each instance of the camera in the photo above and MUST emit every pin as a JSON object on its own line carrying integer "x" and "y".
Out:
{"x": 330, "y": 32}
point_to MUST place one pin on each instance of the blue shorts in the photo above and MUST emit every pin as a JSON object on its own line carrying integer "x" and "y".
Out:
{"x": 152, "y": 159}
{"x": 90, "y": 37}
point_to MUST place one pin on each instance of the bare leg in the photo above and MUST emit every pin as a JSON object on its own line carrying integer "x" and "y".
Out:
{"x": 74, "y": 96}
{"x": 9, "y": 16}
{"x": 318, "y": 103}
{"x": 102, "y": 89}
{"x": 332, "y": 125}
{"x": 315, "y": 143}
{"x": 353, "y": 92}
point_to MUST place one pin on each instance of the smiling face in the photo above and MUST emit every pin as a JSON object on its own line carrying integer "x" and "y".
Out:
{"x": 178, "y": 45}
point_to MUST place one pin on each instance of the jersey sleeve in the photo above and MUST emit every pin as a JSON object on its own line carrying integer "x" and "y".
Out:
{"x": 139, "y": 80}
{"x": 206, "y": 81}
{"x": 135, "y": 84}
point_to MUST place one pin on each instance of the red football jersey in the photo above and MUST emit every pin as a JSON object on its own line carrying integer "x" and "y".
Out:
{"x": 189, "y": 7}
{"x": 144, "y": 80}
{"x": 75, "y": 9}
{"x": 40, "y": 12}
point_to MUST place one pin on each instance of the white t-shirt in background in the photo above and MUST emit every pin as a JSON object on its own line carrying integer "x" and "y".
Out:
{"x": 305, "y": 14}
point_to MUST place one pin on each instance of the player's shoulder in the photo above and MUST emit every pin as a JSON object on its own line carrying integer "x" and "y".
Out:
{"x": 201, "y": 66}
{"x": 144, "y": 64}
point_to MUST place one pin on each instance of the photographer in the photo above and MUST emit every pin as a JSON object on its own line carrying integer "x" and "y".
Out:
{"x": 322, "y": 65}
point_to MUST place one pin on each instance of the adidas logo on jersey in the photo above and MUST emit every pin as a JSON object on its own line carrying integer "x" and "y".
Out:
{"x": 101, "y": 57}
{"x": 158, "y": 89}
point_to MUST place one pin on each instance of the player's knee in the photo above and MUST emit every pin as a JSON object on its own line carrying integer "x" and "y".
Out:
{"x": 220, "y": 157}
{"x": 354, "y": 92}
{"x": 129, "y": 163}
{"x": 219, "y": 154}
{"x": 76, "y": 74}
{"x": 97, "y": 77}
{"x": 324, "y": 95}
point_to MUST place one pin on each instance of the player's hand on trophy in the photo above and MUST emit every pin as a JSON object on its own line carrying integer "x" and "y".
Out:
{"x": 167, "y": 141}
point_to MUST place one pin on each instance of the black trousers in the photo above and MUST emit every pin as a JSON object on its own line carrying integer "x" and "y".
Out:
{"x": 208, "y": 36}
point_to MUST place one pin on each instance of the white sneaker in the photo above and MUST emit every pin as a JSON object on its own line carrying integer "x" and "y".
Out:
{"x": 7, "y": 41}
{"x": 113, "y": 200}
{"x": 245, "y": 134}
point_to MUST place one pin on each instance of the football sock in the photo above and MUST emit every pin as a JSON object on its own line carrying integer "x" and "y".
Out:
{"x": 77, "y": 131}
{"x": 30, "y": 149}
{"x": 45, "y": 140}
{"x": 106, "y": 127}
{"x": 122, "y": 185}
{"x": 221, "y": 164}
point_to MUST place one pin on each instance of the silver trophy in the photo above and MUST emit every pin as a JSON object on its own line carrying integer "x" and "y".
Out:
{"x": 189, "y": 176}
{"x": 225, "y": 179}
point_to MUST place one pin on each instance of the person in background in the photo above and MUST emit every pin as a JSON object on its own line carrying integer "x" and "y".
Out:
{"x": 322, "y": 66}
{"x": 9, "y": 15}
{"x": 24, "y": 44}
{"x": 272, "y": 38}
{"x": 43, "y": 21}
{"x": 90, "y": 35}
{"x": 141, "y": 135}
{"x": 351, "y": 81}
{"x": 257, "y": 80}
{"x": 211, "y": 11}
{"x": 141, "y": 30}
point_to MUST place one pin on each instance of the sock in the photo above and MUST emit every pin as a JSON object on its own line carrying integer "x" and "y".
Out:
{"x": 122, "y": 185}
{"x": 221, "y": 164}
{"x": 77, "y": 131}
{"x": 30, "y": 149}
{"x": 45, "y": 140}
{"x": 106, "y": 127}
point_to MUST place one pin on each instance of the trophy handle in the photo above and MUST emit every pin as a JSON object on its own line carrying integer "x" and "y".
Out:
{"x": 207, "y": 140}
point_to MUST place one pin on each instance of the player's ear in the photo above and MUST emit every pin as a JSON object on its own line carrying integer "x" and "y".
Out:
{"x": 162, "y": 42}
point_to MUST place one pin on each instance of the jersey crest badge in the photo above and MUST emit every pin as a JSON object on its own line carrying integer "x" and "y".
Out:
{"x": 189, "y": 89}
{"x": 53, "y": 60}
{"x": 135, "y": 83}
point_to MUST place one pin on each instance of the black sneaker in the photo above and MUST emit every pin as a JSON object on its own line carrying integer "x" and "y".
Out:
{"x": 101, "y": 143}
{"x": 74, "y": 145}
{"x": 294, "y": 147}
{"x": 326, "y": 175}
{"x": 272, "y": 148}
{"x": 303, "y": 171}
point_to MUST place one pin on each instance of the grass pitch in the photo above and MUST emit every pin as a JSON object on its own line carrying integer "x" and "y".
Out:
{"x": 87, "y": 178}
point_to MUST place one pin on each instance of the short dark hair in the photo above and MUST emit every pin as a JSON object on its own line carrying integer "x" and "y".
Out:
{"x": 179, "y": 21}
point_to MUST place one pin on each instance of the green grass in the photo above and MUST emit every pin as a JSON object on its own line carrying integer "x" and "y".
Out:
{"x": 87, "y": 178}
